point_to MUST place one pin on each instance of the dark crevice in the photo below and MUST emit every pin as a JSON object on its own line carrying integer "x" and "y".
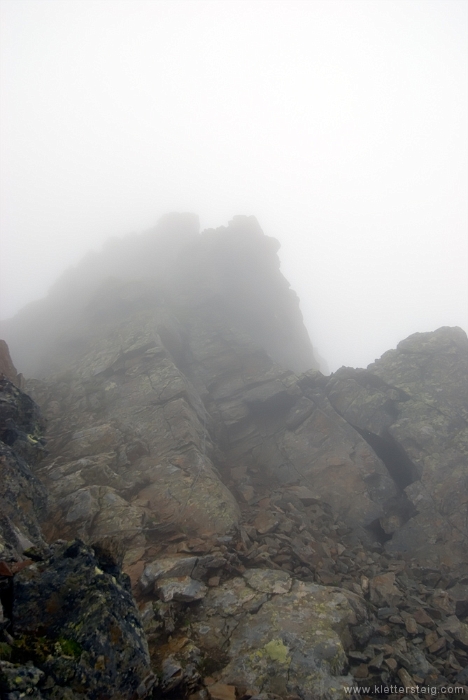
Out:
{"x": 402, "y": 470}
{"x": 377, "y": 531}
{"x": 397, "y": 512}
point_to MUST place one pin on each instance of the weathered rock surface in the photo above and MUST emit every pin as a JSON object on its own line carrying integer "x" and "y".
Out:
{"x": 69, "y": 626}
{"x": 129, "y": 438}
{"x": 282, "y": 427}
{"x": 23, "y": 498}
{"x": 79, "y": 622}
{"x": 170, "y": 389}
{"x": 280, "y": 636}
{"x": 286, "y": 535}
{"x": 163, "y": 396}
{"x": 412, "y": 407}
{"x": 7, "y": 368}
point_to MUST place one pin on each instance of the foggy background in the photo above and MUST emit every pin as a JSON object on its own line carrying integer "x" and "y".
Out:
{"x": 342, "y": 126}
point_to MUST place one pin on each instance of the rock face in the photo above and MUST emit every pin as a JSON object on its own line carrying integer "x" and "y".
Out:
{"x": 232, "y": 271}
{"x": 69, "y": 626}
{"x": 169, "y": 387}
{"x": 130, "y": 444}
{"x": 23, "y": 498}
{"x": 163, "y": 387}
{"x": 138, "y": 445}
{"x": 411, "y": 406}
{"x": 7, "y": 368}
{"x": 286, "y": 534}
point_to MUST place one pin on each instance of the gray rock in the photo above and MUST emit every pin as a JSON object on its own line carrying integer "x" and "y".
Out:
{"x": 207, "y": 564}
{"x": 166, "y": 567}
{"x": 282, "y": 638}
{"x": 182, "y": 588}
{"x": 411, "y": 406}
{"x": 292, "y": 644}
{"x": 23, "y": 499}
{"x": 267, "y": 581}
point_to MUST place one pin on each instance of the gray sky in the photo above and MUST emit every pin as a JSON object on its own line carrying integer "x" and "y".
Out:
{"x": 341, "y": 125}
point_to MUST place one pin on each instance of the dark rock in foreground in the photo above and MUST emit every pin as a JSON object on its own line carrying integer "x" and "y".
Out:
{"x": 79, "y": 624}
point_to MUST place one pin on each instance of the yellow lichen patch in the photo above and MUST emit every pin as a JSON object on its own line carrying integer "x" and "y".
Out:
{"x": 277, "y": 651}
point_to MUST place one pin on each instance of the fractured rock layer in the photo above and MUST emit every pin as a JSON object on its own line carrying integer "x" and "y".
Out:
{"x": 413, "y": 402}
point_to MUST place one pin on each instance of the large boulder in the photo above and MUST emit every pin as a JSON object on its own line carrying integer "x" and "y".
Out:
{"x": 279, "y": 635}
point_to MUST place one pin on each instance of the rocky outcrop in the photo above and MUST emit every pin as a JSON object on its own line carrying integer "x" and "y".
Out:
{"x": 7, "y": 368}
{"x": 247, "y": 616}
{"x": 69, "y": 626}
{"x": 131, "y": 437}
{"x": 286, "y": 534}
{"x": 233, "y": 270}
{"x": 23, "y": 498}
{"x": 172, "y": 386}
{"x": 131, "y": 452}
{"x": 74, "y": 616}
{"x": 411, "y": 407}
{"x": 138, "y": 446}
{"x": 74, "y": 630}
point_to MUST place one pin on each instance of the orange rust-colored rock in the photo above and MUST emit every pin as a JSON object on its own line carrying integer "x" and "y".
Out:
{"x": 221, "y": 691}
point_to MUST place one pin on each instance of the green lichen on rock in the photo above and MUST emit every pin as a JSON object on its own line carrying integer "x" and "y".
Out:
{"x": 5, "y": 651}
{"x": 286, "y": 643}
{"x": 91, "y": 638}
{"x": 70, "y": 647}
{"x": 277, "y": 651}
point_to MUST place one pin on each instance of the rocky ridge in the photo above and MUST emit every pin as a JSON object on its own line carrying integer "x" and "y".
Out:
{"x": 286, "y": 535}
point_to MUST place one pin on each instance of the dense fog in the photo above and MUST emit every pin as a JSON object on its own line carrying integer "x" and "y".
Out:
{"x": 341, "y": 125}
